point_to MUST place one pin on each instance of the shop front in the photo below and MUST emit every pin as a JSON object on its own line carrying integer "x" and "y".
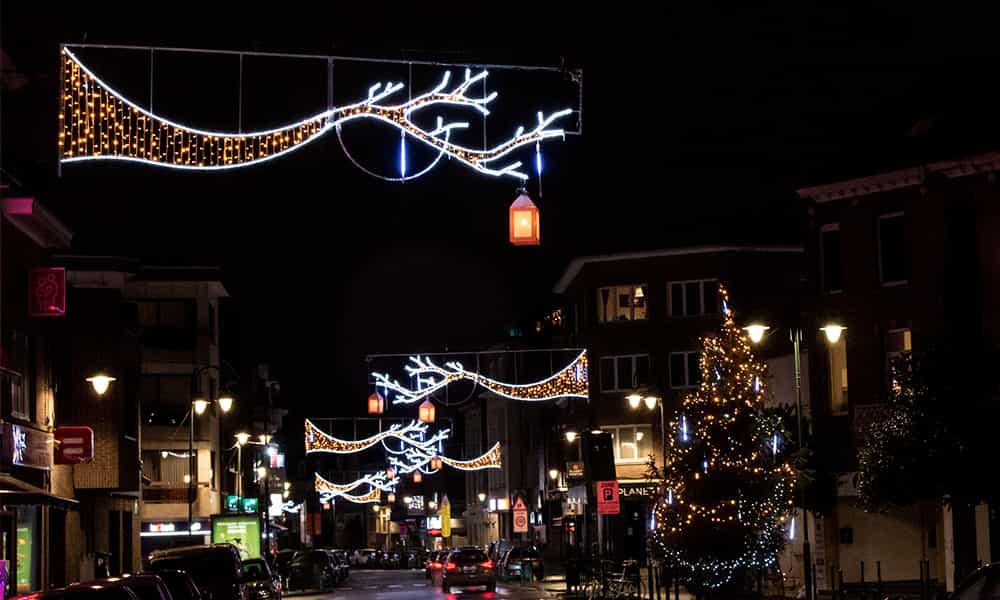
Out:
{"x": 634, "y": 499}
{"x": 160, "y": 535}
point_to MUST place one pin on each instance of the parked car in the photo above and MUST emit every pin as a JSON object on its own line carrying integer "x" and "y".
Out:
{"x": 216, "y": 568}
{"x": 466, "y": 568}
{"x": 982, "y": 584}
{"x": 521, "y": 559}
{"x": 180, "y": 584}
{"x": 311, "y": 569}
{"x": 434, "y": 560}
{"x": 126, "y": 587}
{"x": 262, "y": 583}
{"x": 81, "y": 593}
{"x": 341, "y": 562}
{"x": 282, "y": 565}
{"x": 367, "y": 558}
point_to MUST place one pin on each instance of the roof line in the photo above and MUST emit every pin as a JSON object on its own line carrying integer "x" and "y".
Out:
{"x": 578, "y": 263}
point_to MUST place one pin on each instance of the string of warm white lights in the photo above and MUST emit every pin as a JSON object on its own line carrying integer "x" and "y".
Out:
{"x": 410, "y": 434}
{"x": 417, "y": 460}
{"x": 99, "y": 123}
{"x": 568, "y": 382}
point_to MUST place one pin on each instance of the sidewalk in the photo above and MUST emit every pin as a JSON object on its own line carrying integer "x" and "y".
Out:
{"x": 555, "y": 584}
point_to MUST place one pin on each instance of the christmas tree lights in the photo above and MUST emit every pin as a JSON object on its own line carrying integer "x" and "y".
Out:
{"x": 96, "y": 122}
{"x": 568, "y": 382}
{"x": 728, "y": 485}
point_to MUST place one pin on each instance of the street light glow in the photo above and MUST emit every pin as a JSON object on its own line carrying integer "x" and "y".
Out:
{"x": 242, "y": 438}
{"x": 651, "y": 402}
{"x": 200, "y": 406}
{"x": 755, "y": 331}
{"x": 100, "y": 383}
{"x": 571, "y": 436}
{"x": 481, "y": 496}
{"x": 553, "y": 474}
{"x": 225, "y": 403}
{"x": 634, "y": 400}
{"x": 833, "y": 332}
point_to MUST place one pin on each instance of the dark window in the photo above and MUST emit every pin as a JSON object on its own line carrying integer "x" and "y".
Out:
{"x": 676, "y": 299}
{"x": 626, "y": 372}
{"x": 892, "y": 249}
{"x": 684, "y": 370}
{"x": 692, "y": 300}
{"x": 677, "y": 377}
{"x": 607, "y": 374}
{"x": 830, "y": 256}
{"x": 711, "y": 299}
{"x": 693, "y": 371}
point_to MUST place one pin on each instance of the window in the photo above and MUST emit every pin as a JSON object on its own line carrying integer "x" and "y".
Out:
{"x": 632, "y": 443}
{"x": 838, "y": 376}
{"x": 621, "y": 303}
{"x": 173, "y": 314}
{"x": 892, "y": 249}
{"x": 166, "y": 467}
{"x": 694, "y": 298}
{"x": 897, "y": 341}
{"x": 684, "y": 371}
{"x": 831, "y": 274}
{"x": 627, "y": 372}
{"x": 12, "y": 393}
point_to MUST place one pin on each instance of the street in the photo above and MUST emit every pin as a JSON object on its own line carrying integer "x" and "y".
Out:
{"x": 412, "y": 585}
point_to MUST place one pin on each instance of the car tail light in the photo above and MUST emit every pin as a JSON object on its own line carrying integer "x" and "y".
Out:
{"x": 435, "y": 564}
{"x": 487, "y": 565}
{"x": 450, "y": 566}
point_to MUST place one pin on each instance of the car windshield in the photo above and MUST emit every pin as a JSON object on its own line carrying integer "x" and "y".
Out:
{"x": 203, "y": 567}
{"x": 179, "y": 585}
{"x": 467, "y": 557}
{"x": 255, "y": 569}
{"x": 313, "y": 556}
{"x": 145, "y": 588}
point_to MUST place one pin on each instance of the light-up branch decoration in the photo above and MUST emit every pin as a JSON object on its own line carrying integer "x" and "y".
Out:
{"x": 568, "y": 382}
{"x": 418, "y": 460}
{"x": 410, "y": 434}
{"x": 377, "y": 481}
{"x": 98, "y": 123}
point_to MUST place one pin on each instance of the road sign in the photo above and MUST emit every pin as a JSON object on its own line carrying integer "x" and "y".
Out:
{"x": 233, "y": 503}
{"x": 249, "y": 505}
{"x": 74, "y": 445}
{"x": 520, "y": 516}
{"x": 607, "y": 498}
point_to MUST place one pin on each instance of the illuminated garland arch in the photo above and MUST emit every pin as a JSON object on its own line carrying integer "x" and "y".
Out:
{"x": 320, "y": 441}
{"x": 96, "y": 122}
{"x": 417, "y": 460}
{"x": 568, "y": 382}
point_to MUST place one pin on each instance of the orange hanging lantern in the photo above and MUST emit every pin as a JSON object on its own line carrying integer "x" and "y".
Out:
{"x": 390, "y": 473}
{"x": 426, "y": 413}
{"x": 418, "y": 477}
{"x": 376, "y": 404}
{"x": 524, "y": 222}
{"x": 390, "y": 498}
{"x": 436, "y": 463}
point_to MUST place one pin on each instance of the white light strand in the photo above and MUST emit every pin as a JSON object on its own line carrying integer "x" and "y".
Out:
{"x": 75, "y": 147}
{"x": 317, "y": 440}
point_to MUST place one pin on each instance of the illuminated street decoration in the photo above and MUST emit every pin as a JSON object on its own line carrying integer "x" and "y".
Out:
{"x": 568, "y": 382}
{"x": 410, "y": 434}
{"x": 420, "y": 461}
{"x": 96, "y": 122}
{"x": 378, "y": 482}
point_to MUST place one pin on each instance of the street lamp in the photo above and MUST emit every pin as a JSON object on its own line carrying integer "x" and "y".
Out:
{"x": 100, "y": 383}
{"x": 553, "y": 474}
{"x": 571, "y": 436}
{"x": 261, "y": 472}
{"x": 832, "y": 332}
{"x": 634, "y": 400}
{"x": 651, "y": 403}
{"x": 755, "y": 331}
{"x": 225, "y": 403}
{"x": 200, "y": 406}
{"x": 241, "y": 440}
{"x": 481, "y": 496}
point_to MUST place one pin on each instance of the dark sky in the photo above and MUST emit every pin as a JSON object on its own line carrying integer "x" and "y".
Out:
{"x": 698, "y": 127}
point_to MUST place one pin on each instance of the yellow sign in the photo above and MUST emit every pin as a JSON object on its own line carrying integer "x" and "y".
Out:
{"x": 445, "y": 517}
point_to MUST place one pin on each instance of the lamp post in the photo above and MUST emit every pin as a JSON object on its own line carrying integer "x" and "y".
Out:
{"x": 755, "y": 331}
{"x": 241, "y": 440}
{"x": 635, "y": 400}
{"x": 198, "y": 407}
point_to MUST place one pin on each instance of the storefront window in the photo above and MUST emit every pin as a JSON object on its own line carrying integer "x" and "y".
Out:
{"x": 27, "y": 549}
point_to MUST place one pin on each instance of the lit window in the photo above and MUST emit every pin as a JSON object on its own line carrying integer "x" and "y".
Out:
{"x": 838, "y": 376}
{"x": 632, "y": 443}
{"x": 621, "y": 303}
{"x": 694, "y": 298}
{"x": 897, "y": 341}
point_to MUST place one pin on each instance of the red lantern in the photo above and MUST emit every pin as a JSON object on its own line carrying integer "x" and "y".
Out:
{"x": 436, "y": 463}
{"x": 390, "y": 473}
{"x": 376, "y": 404}
{"x": 524, "y": 222}
{"x": 390, "y": 498}
{"x": 418, "y": 477}
{"x": 426, "y": 414}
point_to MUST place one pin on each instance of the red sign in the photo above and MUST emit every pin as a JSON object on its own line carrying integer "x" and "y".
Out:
{"x": 47, "y": 292}
{"x": 74, "y": 445}
{"x": 520, "y": 516}
{"x": 607, "y": 498}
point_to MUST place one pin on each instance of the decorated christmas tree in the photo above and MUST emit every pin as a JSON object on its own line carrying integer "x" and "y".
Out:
{"x": 728, "y": 482}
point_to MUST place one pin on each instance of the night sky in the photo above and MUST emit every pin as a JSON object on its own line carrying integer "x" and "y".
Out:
{"x": 698, "y": 128}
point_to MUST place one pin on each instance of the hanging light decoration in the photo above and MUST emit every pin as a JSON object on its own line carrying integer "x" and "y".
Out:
{"x": 426, "y": 413}
{"x": 390, "y": 473}
{"x": 436, "y": 463}
{"x": 390, "y": 497}
{"x": 376, "y": 404}
{"x": 524, "y": 221}
{"x": 418, "y": 477}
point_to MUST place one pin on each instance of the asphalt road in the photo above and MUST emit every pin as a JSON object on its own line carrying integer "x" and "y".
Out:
{"x": 411, "y": 585}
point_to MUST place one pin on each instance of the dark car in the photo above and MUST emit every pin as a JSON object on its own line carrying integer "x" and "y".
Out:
{"x": 216, "y": 569}
{"x": 126, "y": 587}
{"x": 311, "y": 569}
{"x": 982, "y": 584}
{"x": 341, "y": 563}
{"x": 433, "y": 566}
{"x": 521, "y": 562}
{"x": 180, "y": 584}
{"x": 467, "y": 568}
{"x": 283, "y": 564}
{"x": 261, "y": 583}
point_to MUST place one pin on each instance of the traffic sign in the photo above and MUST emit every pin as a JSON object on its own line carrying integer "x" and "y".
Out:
{"x": 520, "y": 516}
{"x": 607, "y": 498}
{"x": 74, "y": 445}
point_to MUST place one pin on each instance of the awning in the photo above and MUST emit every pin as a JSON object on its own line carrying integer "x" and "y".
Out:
{"x": 15, "y": 492}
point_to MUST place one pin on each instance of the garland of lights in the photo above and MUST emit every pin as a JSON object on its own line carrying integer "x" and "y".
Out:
{"x": 568, "y": 382}
{"x": 415, "y": 459}
{"x": 378, "y": 482}
{"x": 728, "y": 485}
{"x": 320, "y": 441}
{"x": 97, "y": 122}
